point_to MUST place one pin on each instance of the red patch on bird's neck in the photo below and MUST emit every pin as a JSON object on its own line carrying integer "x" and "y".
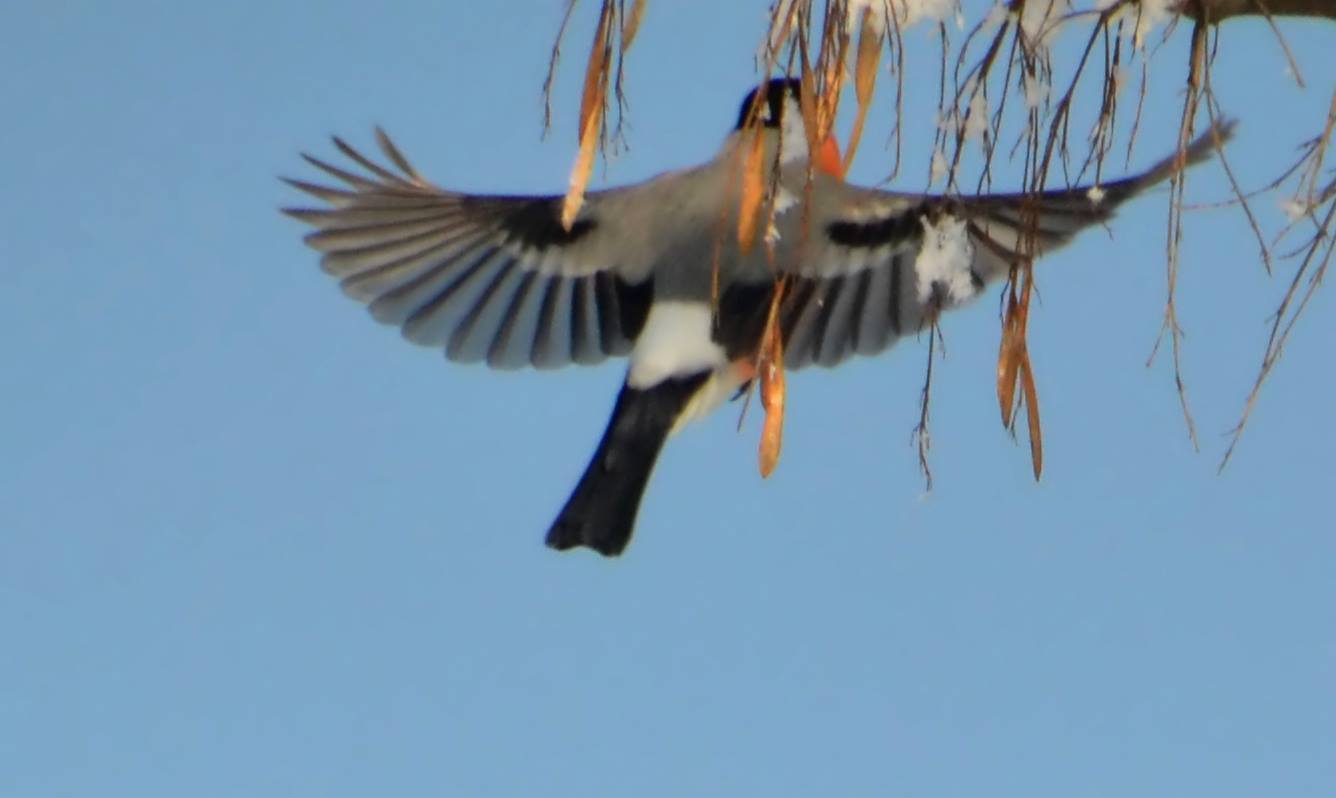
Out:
{"x": 827, "y": 158}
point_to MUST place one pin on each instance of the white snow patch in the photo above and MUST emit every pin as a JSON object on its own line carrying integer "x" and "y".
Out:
{"x": 1095, "y": 194}
{"x": 1119, "y": 79}
{"x": 1296, "y": 208}
{"x": 899, "y": 13}
{"x": 675, "y": 342}
{"x": 945, "y": 259}
{"x": 1146, "y": 16}
{"x": 937, "y": 170}
{"x": 976, "y": 121}
{"x": 1040, "y": 20}
{"x": 1037, "y": 90}
{"x": 1151, "y": 15}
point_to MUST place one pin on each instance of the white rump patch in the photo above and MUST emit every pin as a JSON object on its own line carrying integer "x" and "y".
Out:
{"x": 675, "y": 343}
{"x": 945, "y": 259}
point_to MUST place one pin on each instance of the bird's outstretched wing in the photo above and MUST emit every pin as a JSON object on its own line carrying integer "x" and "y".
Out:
{"x": 489, "y": 278}
{"x": 881, "y": 264}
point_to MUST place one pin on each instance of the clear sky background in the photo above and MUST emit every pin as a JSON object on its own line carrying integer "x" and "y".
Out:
{"x": 253, "y": 544}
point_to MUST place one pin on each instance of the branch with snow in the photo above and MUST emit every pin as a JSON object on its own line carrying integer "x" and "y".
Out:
{"x": 945, "y": 260}
{"x": 898, "y": 14}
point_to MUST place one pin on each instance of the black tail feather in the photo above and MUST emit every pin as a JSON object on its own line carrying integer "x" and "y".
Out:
{"x": 601, "y": 511}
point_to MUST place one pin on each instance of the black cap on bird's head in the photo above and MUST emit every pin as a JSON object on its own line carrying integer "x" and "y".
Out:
{"x": 768, "y": 106}
{"x": 768, "y": 111}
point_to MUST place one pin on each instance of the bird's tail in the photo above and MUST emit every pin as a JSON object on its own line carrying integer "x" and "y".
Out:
{"x": 601, "y": 511}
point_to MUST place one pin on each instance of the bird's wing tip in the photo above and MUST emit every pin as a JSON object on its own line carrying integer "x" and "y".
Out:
{"x": 391, "y": 151}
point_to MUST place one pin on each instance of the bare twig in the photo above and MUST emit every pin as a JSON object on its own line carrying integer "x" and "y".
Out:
{"x": 1315, "y": 259}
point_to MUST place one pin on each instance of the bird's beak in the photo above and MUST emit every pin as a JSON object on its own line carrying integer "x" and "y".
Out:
{"x": 827, "y": 158}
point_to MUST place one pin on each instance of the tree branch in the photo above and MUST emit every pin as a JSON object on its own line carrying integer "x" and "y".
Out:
{"x": 1213, "y": 11}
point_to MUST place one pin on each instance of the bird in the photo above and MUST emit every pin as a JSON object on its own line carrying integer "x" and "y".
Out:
{"x": 655, "y": 272}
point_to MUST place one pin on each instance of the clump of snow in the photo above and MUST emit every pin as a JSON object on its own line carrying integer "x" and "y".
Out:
{"x": 973, "y": 124}
{"x": 945, "y": 260}
{"x": 1296, "y": 208}
{"x": 1036, "y": 88}
{"x": 1152, "y": 14}
{"x": 896, "y": 14}
{"x": 1041, "y": 19}
{"x": 976, "y": 120}
{"x": 948, "y": 122}
{"x": 937, "y": 169}
{"x": 1095, "y": 194}
{"x": 899, "y": 13}
{"x": 1119, "y": 79}
{"x": 1146, "y": 16}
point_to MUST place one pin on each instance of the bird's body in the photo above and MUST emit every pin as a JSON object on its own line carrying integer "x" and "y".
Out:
{"x": 655, "y": 271}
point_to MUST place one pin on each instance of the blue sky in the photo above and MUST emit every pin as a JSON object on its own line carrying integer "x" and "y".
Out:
{"x": 252, "y": 543}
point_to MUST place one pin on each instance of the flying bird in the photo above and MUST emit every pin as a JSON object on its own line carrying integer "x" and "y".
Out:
{"x": 655, "y": 272}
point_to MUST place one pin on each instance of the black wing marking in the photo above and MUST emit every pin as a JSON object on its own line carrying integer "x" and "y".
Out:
{"x": 493, "y": 279}
{"x": 860, "y": 287}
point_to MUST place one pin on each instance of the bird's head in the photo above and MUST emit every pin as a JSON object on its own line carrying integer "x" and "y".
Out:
{"x": 775, "y": 105}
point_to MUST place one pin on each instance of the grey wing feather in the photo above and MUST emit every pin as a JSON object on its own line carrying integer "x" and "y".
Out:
{"x": 492, "y": 279}
{"x": 856, "y": 289}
